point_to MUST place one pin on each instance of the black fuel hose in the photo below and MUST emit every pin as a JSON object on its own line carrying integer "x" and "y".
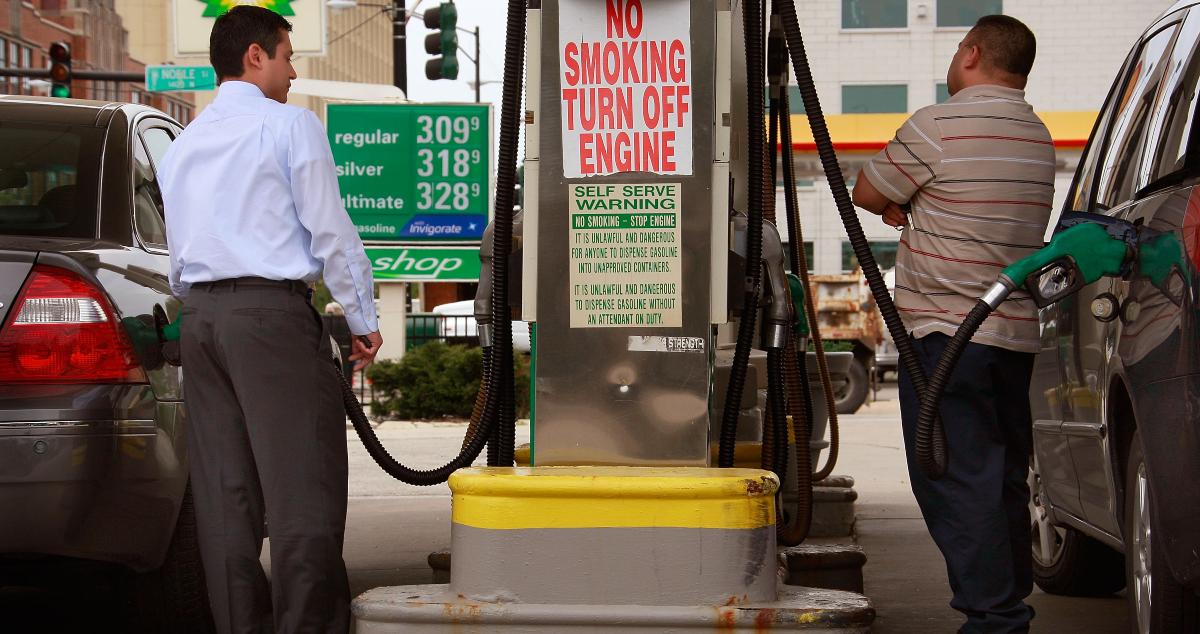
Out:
{"x": 776, "y": 458}
{"x": 752, "y": 16}
{"x": 498, "y": 420}
{"x": 799, "y": 262}
{"x": 931, "y": 455}
{"x": 932, "y": 397}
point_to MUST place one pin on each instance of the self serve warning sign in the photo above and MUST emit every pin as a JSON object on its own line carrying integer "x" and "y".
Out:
{"x": 625, "y": 256}
{"x": 625, "y": 69}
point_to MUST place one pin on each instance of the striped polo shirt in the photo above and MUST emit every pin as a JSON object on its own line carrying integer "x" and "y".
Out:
{"x": 978, "y": 173}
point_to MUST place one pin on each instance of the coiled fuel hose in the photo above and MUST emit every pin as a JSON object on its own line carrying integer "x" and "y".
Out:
{"x": 752, "y": 16}
{"x": 493, "y": 419}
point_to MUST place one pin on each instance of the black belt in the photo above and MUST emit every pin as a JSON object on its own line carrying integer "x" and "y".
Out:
{"x": 233, "y": 284}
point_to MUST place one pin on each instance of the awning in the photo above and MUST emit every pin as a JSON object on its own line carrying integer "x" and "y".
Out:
{"x": 870, "y": 132}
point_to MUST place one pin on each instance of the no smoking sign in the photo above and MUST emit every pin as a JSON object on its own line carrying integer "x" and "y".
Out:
{"x": 626, "y": 87}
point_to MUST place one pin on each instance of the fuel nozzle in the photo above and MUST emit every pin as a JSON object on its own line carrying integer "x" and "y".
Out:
{"x": 778, "y": 316}
{"x": 483, "y": 294}
{"x": 1085, "y": 248}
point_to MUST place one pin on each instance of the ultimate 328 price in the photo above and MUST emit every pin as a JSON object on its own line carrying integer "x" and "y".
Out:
{"x": 451, "y": 155}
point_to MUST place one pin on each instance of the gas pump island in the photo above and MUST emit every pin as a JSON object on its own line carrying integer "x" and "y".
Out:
{"x": 623, "y": 250}
{"x": 648, "y": 223}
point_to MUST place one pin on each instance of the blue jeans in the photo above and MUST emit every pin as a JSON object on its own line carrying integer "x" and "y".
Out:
{"x": 978, "y": 513}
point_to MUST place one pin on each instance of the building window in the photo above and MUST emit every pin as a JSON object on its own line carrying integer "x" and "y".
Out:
{"x": 874, "y": 14}
{"x": 3, "y": 64}
{"x": 966, "y": 12}
{"x": 26, "y": 62}
{"x": 808, "y": 255}
{"x": 884, "y": 252}
{"x": 875, "y": 98}
{"x": 942, "y": 93}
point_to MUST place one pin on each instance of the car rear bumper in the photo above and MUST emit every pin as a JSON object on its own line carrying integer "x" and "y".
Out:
{"x": 101, "y": 490}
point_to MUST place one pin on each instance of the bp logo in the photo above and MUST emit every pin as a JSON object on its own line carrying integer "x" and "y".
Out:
{"x": 214, "y": 8}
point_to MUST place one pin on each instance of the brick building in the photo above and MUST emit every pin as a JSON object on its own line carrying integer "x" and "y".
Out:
{"x": 98, "y": 40}
{"x": 876, "y": 61}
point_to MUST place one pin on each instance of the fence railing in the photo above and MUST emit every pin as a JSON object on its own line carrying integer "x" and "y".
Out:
{"x": 421, "y": 328}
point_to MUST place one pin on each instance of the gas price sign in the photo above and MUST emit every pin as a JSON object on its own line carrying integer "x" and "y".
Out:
{"x": 413, "y": 172}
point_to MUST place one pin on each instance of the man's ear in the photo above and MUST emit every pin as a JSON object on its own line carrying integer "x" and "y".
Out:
{"x": 973, "y": 56}
{"x": 255, "y": 57}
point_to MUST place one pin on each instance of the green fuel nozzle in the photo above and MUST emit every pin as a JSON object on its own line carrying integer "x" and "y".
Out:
{"x": 170, "y": 332}
{"x": 1087, "y": 248}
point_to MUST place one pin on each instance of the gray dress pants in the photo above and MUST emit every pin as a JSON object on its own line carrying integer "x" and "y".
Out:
{"x": 266, "y": 443}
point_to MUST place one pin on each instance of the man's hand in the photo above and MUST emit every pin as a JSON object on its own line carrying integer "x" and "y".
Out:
{"x": 362, "y": 354}
{"x": 894, "y": 216}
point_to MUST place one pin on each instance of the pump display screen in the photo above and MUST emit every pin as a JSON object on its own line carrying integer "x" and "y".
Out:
{"x": 413, "y": 172}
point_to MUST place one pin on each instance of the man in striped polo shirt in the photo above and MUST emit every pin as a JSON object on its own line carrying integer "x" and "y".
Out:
{"x": 970, "y": 181}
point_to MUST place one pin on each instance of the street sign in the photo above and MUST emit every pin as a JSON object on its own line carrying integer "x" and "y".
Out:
{"x": 412, "y": 172}
{"x": 424, "y": 264}
{"x": 169, "y": 77}
{"x": 193, "y": 22}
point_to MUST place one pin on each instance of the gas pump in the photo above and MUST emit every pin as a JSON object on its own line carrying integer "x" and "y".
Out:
{"x": 645, "y": 166}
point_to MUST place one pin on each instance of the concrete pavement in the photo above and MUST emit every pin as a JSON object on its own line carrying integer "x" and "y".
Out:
{"x": 392, "y": 527}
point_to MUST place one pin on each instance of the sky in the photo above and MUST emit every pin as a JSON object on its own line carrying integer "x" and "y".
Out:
{"x": 490, "y": 17}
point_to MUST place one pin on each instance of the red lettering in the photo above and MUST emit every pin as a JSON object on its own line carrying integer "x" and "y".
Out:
{"x": 651, "y": 107}
{"x": 625, "y": 108}
{"x": 668, "y": 92}
{"x": 628, "y": 64}
{"x": 604, "y": 155}
{"x": 568, "y": 95}
{"x": 587, "y": 113}
{"x": 617, "y": 21}
{"x": 682, "y": 98}
{"x": 668, "y": 151}
{"x": 612, "y": 63}
{"x": 635, "y": 30}
{"x": 678, "y": 62}
{"x": 570, "y": 58}
{"x": 612, "y": 18}
{"x": 591, "y": 63}
{"x": 624, "y": 160}
{"x": 586, "y": 165}
{"x": 657, "y": 64}
{"x": 605, "y": 101}
{"x": 649, "y": 154}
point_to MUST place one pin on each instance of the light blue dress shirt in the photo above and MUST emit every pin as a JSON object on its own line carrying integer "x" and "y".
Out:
{"x": 250, "y": 190}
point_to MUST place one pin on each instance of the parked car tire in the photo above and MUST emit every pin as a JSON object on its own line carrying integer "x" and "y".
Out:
{"x": 1158, "y": 604}
{"x": 852, "y": 395}
{"x": 173, "y": 599}
{"x": 1065, "y": 561}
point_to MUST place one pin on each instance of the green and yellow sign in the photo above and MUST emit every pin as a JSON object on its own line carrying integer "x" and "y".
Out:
{"x": 412, "y": 172}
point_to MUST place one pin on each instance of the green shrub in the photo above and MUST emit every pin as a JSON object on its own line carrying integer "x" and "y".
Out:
{"x": 833, "y": 346}
{"x": 437, "y": 380}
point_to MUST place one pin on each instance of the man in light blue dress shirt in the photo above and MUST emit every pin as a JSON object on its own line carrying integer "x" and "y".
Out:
{"x": 253, "y": 214}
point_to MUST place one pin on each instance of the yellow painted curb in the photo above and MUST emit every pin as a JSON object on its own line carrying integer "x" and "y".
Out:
{"x": 613, "y": 497}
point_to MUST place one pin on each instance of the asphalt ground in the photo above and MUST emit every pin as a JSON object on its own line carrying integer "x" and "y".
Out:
{"x": 392, "y": 527}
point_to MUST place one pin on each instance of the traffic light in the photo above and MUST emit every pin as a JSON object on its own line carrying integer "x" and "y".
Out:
{"x": 442, "y": 20}
{"x": 60, "y": 69}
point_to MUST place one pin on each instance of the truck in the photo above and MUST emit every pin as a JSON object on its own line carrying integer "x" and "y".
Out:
{"x": 849, "y": 321}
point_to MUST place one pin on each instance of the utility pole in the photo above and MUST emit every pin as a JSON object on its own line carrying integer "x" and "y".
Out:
{"x": 476, "y": 64}
{"x": 399, "y": 47}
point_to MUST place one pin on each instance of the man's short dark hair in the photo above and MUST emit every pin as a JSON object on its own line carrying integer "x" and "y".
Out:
{"x": 1005, "y": 43}
{"x": 234, "y": 32}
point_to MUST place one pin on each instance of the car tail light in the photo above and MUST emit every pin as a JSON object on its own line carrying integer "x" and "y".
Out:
{"x": 62, "y": 329}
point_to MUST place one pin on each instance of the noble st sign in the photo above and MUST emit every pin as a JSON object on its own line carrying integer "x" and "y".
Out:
{"x": 413, "y": 172}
